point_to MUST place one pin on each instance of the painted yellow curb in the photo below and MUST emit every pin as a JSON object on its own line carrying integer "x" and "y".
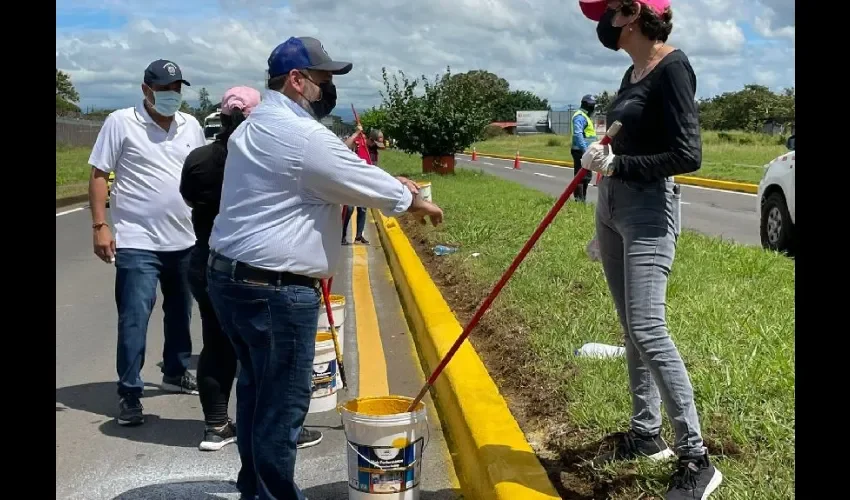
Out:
{"x": 492, "y": 457}
{"x": 741, "y": 187}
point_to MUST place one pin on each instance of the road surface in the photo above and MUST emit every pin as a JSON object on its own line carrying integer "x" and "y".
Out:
{"x": 710, "y": 211}
{"x": 98, "y": 460}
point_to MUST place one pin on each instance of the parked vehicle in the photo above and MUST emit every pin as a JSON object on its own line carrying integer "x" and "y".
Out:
{"x": 212, "y": 125}
{"x": 776, "y": 202}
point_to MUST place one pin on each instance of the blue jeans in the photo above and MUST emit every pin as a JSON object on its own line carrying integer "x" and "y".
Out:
{"x": 137, "y": 274}
{"x": 273, "y": 331}
{"x": 361, "y": 220}
{"x": 638, "y": 225}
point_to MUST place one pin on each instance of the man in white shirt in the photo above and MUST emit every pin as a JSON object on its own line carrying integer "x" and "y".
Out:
{"x": 145, "y": 146}
{"x": 276, "y": 234}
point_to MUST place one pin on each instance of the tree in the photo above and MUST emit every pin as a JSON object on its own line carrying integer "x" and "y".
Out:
{"x": 64, "y": 88}
{"x": 374, "y": 118}
{"x": 185, "y": 108}
{"x": 444, "y": 120}
{"x": 204, "y": 103}
{"x": 504, "y": 110}
{"x": 603, "y": 101}
{"x": 747, "y": 109}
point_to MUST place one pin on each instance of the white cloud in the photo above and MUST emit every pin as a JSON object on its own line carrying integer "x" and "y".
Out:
{"x": 545, "y": 46}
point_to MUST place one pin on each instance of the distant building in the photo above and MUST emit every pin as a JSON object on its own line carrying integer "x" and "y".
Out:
{"x": 509, "y": 127}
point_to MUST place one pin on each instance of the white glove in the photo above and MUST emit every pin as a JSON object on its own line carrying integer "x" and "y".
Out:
{"x": 598, "y": 158}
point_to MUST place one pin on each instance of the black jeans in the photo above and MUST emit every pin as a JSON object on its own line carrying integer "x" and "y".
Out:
{"x": 273, "y": 330}
{"x": 581, "y": 189}
{"x": 361, "y": 220}
{"x": 217, "y": 363}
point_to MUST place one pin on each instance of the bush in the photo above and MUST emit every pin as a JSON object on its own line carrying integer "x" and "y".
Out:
{"x": 493, "y": 131}
{"x": 554, "y": 142}
{"x": 446, "y": 119}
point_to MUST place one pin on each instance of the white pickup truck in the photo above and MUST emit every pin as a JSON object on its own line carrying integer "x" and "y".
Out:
{"x": 776, "y": 202}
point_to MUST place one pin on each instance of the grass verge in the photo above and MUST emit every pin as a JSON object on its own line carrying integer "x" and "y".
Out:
{"x": 728, "y": 156}
{"x": 72, "y": 170}
{"x": 731, "y": 313}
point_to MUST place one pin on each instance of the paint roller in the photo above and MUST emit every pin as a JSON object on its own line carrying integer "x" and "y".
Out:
{"x": 571, "y": 187}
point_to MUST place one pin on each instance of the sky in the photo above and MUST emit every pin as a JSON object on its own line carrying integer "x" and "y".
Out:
{"x": 544, "y": 46}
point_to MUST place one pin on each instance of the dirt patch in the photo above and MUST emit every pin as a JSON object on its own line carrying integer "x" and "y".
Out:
{"x": 535, "y": 398}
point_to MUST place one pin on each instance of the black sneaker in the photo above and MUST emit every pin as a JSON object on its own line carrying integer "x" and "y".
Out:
{"x": 130, "y": 411}
{"x": 308, "y": 438}
{"x": 695, "y": 478}
{"x": 631, "y": 445}
{"x": 361, "y": 240}
{"x": 186, "y": 383}
{"x": 217, "y": 438}
{"x": 345, "y": 242}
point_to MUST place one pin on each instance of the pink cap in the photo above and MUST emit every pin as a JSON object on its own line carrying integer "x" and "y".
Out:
{"x": 243, "y": 98}
{"x": 593, "y": 9}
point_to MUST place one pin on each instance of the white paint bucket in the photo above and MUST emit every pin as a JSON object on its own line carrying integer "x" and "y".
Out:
{"x": 325, "y": 377}
{"x": 386, "y": 444}
{"x": 425, "y": 190}
{"x": 338, "y": 310}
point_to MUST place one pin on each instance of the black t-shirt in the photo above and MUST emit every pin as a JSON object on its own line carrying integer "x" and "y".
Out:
{"x": 200, "y": 185}
{"x": 660, "y": 136}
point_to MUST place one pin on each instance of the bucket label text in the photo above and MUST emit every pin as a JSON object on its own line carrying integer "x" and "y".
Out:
{"x": 384, "y": 469}
{"x": 324, "y": 379}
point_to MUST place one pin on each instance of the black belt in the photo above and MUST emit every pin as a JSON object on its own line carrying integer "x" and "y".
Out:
{"x": 243, "y": 272}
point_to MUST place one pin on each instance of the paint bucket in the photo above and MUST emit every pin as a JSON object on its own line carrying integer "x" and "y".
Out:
{"x": 325, "y": 376}
{"x": 338, "y": 310}
{"x": 425, "y": 190}
{"x": 386, "y": 444}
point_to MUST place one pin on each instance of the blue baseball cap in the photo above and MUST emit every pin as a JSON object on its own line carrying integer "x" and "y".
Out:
{"x": 588, "y": 99}
{"x": 163, "y": 72}
{"x": 304, "y": 53}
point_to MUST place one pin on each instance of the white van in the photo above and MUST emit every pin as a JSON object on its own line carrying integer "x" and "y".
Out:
{"x": 212, "y": 125}
{"x": 776, "y": 202}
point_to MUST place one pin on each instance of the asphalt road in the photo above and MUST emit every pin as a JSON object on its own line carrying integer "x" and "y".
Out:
{"x": 710, "y": 211}
{"x": 98, "y": 460}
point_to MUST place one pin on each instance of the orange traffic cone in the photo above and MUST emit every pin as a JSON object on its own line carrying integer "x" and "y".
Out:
{"x": 516, "y": 161}
{"x": 474, "y": 155}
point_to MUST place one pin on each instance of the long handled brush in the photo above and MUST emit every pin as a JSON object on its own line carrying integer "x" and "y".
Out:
{"x": 326, "y": 295}
{"x": 612, "y": 131}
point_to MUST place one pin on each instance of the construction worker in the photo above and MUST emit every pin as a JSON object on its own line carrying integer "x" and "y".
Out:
{"x": 583, "y": 133}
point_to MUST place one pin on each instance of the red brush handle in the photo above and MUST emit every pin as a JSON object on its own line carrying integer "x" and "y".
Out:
{"x": 473, "y": 322}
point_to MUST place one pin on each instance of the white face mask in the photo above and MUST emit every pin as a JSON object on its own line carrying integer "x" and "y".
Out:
{"x": 167, "y": 102}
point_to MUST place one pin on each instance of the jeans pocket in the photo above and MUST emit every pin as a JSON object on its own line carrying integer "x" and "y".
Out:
{"x": 301, "y": 297}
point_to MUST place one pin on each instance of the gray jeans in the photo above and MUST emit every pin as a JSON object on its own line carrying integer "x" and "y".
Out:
{"x": 637, "y": 225}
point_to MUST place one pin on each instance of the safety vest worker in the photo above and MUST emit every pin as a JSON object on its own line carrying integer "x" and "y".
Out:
{"x": 583, "y": 134}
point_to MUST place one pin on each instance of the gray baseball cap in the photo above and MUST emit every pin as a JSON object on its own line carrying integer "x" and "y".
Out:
{"x": 304, "y": 53}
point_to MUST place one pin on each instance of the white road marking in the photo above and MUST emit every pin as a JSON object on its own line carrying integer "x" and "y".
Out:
{"x": 488, "y": 163}
{"x": 66, "y": 212}
{"x": 684, "y": 203}
{"x": 544, "y": 175}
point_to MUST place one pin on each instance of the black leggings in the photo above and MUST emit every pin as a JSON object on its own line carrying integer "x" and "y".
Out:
{"x": 217, "y": 363}
{"x": 581, "y": 189}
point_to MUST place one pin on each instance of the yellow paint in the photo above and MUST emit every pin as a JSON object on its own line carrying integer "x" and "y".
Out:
{"x": 423, "y": 184}
{"x": 336, "y": 300}
{"x": 492, "y": 457}
{"x": 400, "y": 443}
{"x": 373, "y": 366}
{"x": 381, "y": 406}
{"x": 741, "y": 187}
{"x": 324, "y": 336}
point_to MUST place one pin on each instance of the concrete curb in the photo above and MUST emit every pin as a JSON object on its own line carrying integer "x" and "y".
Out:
{"x": 740, "y": 187}
{"x": 71, "y": 200}
{"x": 493, "y": 459}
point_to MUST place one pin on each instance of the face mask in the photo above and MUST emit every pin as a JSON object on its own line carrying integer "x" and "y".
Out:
{"x": 609, "y": 35}
{"x": 589, "y": 108}
{"x": 326, "y": 103}
{"x": 167, "y": 102}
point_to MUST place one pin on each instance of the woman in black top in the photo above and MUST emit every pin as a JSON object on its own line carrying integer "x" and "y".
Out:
{"x": 638, "y": 224}
{"x": 200, "y": 185}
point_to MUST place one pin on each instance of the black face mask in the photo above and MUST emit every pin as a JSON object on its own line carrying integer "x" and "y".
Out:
{"x": 589, "y": 108}
{"x": 609, "y": 34}
{"x": 327, "y": 103}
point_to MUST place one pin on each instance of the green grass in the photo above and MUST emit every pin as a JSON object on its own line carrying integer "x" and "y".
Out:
{"x": 732, "y": 156}
{"x": 72, "y": 170}
{"x": 731, "y": 314}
